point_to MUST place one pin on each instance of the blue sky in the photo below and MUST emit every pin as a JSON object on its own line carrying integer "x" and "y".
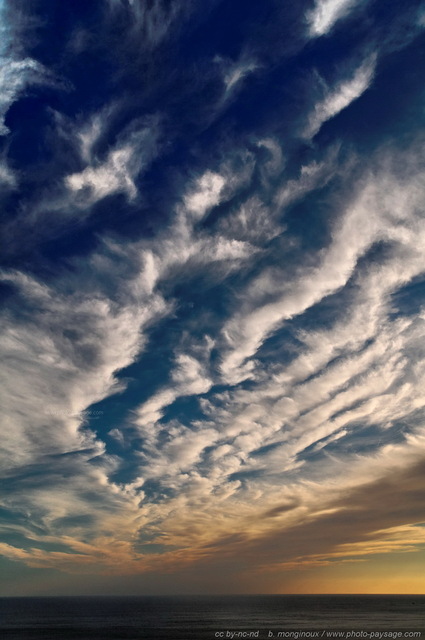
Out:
{"x": 212, "y": 296}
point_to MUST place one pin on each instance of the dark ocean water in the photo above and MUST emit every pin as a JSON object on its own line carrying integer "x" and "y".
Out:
{"x": 206, "y": 617}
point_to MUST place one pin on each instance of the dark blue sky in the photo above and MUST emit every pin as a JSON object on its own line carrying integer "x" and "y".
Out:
{"x": 212, "y": 295}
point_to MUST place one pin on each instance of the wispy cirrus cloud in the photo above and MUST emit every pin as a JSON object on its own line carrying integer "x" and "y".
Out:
{"x": 67, "y": 341}
{"x": 133, "y": 151}
{"x": 151, "y": 23}
{"x": 17, "y": 71}
{"x": 235, "y": 72}
{"x": 353, "y": 235}
{"x": 15, "y": 75}
{"x": 7, "y": 177}
{"x": 326, "y": 13}
{"x": 339, "y": 98}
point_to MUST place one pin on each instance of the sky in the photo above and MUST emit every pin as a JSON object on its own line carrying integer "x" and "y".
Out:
{"x": 212, "y": 297}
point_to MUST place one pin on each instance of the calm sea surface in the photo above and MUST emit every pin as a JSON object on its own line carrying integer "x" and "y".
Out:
{"x": 206, "y": 617}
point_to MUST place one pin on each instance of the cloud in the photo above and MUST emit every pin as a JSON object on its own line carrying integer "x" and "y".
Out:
{"x": 188, "y": 378}
{"x": 17, "y": 71}
{"x": 352, "y": 373}
{"x": 340, "y": 98}
{"x": 235, "y": 481}
{"x": 134, "y": 150}
{"x": 205, "y": 195}
{"x": 253, "y": 222}
{"x": 311, "y": 176}
{"x": 202, "y": 505}
{"x": 106, "y": 165}
{"x": 61, "y": 352}
{"x": 326, "y": 13}
{"x": 108, "y": 178}
{"x": 276, "y": 162}
{"x": 151, "y": 23}
{"x": 7, "y": 177}
{"x": 92, "y": 132}
{"x": 366, "y": 520}
{"x": 15, "y": 75}
{"x": 76, "y": 344}
{"x": 183, "y": 246}
{"x": 235, "y": 72}
{"x": 264, "y": 326}
{"x": 352, "y": 236}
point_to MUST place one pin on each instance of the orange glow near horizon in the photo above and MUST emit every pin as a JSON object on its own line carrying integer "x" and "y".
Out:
{"x": 397, "y": 574}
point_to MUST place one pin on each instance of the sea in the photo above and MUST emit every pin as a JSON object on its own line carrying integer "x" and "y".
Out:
{"x": 323, "y": 617}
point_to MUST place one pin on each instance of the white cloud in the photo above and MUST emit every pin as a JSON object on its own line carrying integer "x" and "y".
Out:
{"x": 92, "y": 131}
{"x": 206, "y": 194}
{"x": 233, "y": 74}
{"x": 66, "y": 355}
{"x": 341, "y": 97}
{"x": 65, "y": 358}
{"x": 16, "y": 71}
{"x": 377, "y": 214}
{"x": 312, "y": 176}
{"x": 276, "y": 162}
{"x": 253, "y": 221}
{"x": 15, "y": 75}
{"x": 188, "y": 378}
{"x": 326, "y": 13}
{"x": 59, "y": 358}
{"x": 107, "y": 178}
{"x": 7, "y": 177}
{"x": 134, "y": 150}
{"x": 151, "y": 23}
{"x": 182, "y": 246}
